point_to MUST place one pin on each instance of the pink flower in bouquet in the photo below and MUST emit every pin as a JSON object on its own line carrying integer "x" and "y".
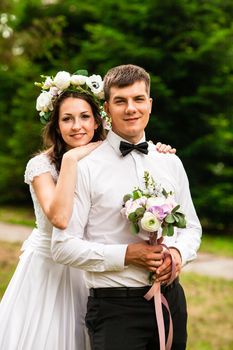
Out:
{"x": 170, "y": 202}
{"x": 132, "y": 205}
{"x": 161, "y": 206}
{"x": 160, "y": 212}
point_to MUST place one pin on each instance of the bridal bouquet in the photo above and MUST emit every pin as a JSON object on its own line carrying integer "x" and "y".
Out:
{"x": 152, "y": 210}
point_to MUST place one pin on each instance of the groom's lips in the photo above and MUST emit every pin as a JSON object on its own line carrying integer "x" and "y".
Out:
{"x": 131, "y": 119}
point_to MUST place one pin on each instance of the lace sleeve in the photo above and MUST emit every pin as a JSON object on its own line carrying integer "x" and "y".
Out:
{"x": 38, "y": 165}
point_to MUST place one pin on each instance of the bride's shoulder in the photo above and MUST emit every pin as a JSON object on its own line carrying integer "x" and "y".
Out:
{"x": 40, "y": 158}
{"x": 37, "y": 165}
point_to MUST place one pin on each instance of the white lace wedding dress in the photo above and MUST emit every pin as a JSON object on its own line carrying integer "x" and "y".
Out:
{"x": 44, "y": 305}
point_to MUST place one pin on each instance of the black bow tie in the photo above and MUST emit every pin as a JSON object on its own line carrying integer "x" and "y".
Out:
{"x": 126, "y": 147}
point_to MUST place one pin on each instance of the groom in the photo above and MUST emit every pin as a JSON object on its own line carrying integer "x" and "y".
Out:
{"x": 98, "y": 239}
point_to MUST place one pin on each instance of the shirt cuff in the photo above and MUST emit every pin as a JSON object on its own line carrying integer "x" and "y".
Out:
{"x": 115, "y": 257}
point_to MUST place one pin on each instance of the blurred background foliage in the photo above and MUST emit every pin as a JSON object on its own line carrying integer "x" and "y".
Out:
{"x": 186, "y": 46}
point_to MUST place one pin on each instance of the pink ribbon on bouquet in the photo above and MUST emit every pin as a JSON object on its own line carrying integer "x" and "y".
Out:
{"x": 159, "y": 299}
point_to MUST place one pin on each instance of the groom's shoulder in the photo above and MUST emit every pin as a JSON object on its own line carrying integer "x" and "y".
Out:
{"x": 96, "y": 156}
{"x": 153, "y": 152}
{"x": 163, "y": 158}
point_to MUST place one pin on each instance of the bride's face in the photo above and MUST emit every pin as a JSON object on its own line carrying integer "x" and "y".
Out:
{"x": 76, "y": 122}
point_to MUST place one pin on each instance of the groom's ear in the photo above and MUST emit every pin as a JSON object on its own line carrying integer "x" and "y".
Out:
{"x": 106, "y": 108}
{"x": 151, "y": 103}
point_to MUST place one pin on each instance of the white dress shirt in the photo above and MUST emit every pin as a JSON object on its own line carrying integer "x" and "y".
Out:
{"x": 97, "y": 236}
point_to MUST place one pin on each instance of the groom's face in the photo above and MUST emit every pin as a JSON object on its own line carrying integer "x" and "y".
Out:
{"x": 129, "y": 108}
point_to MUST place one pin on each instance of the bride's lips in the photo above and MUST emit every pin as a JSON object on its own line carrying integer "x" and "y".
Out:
{"x": 77, "y": 136}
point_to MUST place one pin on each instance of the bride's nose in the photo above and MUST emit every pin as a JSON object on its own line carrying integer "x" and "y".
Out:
{"x": 76, "y": 124}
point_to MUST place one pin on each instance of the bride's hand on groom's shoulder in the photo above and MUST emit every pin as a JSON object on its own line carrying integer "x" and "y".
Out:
{"x": 163, "y": 148}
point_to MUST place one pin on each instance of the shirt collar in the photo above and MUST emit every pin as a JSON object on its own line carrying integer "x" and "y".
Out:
{"x": 114, "y": 140}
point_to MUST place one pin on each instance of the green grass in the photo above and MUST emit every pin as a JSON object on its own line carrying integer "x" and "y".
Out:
{"x": 219, "y": 245}
{"x": 210, "y": 317}
{"x": 17, "y": 215}
{"x": 9, "y": 253}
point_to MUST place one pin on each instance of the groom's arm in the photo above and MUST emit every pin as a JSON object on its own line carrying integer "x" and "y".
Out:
{"x": 184, "y": 248}
{"x": 69, "y": 248}
{"x": 188, "y": 239}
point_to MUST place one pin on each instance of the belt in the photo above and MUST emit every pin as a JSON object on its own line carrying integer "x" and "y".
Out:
{"x": 127, "y": 292}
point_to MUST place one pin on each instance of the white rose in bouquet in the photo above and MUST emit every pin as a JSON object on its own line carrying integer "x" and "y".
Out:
{"x": 155, "y": 201}
{"x": 150, "y": 223}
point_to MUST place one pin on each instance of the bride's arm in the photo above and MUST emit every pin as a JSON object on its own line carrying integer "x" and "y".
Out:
{"x": 56, "y": 200}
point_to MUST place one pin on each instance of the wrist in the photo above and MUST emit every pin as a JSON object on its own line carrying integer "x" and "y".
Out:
{"x": 127, "y": 255}
{"x": 176, "y": 255}
{"x": 70, "y": 156}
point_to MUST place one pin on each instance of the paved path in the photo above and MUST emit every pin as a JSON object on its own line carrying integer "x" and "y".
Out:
{"x": 14, "y": 233}
{"x": 205, "y": 264}
{"x": 210, "y": 265}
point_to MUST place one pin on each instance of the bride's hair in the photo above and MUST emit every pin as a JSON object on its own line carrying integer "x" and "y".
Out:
{"x": 51, "y": 133}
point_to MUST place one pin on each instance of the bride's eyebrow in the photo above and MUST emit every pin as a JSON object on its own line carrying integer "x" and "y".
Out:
{"x": 71, "y": 114}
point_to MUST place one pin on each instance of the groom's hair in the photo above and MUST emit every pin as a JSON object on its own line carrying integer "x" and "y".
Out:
{"x": 125, "y": 75}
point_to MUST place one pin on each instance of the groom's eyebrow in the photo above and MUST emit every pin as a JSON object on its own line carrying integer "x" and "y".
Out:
{"x": 119, "y": 98}
{"x": 124, "y": 98}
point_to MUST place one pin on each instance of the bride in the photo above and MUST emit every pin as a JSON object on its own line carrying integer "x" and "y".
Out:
{"x": 44, "y": 305}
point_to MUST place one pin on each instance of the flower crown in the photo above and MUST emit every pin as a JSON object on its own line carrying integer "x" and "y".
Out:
{"x": 51, "y": 88}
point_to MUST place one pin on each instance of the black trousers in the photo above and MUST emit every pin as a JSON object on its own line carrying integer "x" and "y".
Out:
{"x": 129, "y": 323}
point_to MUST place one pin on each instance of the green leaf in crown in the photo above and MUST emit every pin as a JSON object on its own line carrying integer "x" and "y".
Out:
{"x": 83, "y": 72}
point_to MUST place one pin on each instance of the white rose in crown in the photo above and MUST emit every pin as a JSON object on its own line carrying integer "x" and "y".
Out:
{"x": 95, "y": 83}
{"x": 44, "y": 102}
{"x": 62, "y": 80}
{"x": 149, "y": 222}
{"x": 78, "y": 79}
